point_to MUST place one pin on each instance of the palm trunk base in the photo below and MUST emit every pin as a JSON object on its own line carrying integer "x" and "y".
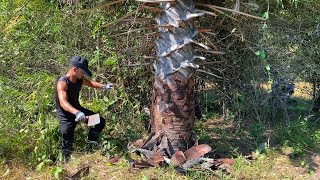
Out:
{"x": 160, "y": 143}
{"x": 172, "y": 110}
{"x": 158, "y": 150}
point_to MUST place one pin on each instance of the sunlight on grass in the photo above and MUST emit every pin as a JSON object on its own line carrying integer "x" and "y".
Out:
{"x": 303, "y": 90}
{"x": 269, "y": 165}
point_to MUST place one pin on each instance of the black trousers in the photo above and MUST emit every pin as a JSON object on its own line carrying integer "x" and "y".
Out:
{"x": 67, "y": 128}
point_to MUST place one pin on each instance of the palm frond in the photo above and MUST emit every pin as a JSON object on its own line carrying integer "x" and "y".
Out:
{"x": 101, "y": 6}
{"x": 209, "y": 73}
{"x": 124, "y": 17}
{"x": 138, "y": 19}
{"x": 134, "y": 30}
{"x": 209, "y": 41}
{"x": 152, "y": 8}
{"x": 229, "y": 10}
{"x": 208, "y": 51}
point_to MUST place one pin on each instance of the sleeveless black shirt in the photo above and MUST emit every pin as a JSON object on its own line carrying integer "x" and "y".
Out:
{"x": 73, "y": 90}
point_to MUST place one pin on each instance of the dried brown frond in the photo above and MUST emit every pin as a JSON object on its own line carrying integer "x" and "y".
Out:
{"x": 101, "y": 6}
{"x": 230, "y": 10}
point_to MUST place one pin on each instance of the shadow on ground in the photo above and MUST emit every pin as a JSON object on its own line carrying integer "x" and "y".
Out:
{"x": 296, "y": 127}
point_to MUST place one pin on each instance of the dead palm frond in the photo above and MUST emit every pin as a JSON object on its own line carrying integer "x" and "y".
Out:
{"x": 101, "y": 6}
{"x": 229, "y": 10}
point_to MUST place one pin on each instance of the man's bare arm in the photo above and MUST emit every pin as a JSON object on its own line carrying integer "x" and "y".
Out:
{"x": 93, "y": 84}
{"x": 63, "y": 98}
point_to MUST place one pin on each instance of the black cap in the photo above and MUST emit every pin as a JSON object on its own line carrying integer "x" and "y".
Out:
{"x": 82, "y": 63}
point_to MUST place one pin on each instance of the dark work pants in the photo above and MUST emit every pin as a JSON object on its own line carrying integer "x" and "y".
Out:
{"x": 67, "y": 128}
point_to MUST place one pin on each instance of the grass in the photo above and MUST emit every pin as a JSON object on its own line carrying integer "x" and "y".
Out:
{"x": 269, "y": 165}
{"x": 290, "y": 153}
{"x": 278, "y": 162}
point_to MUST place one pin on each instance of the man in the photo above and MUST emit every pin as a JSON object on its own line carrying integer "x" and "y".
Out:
{"x": 69, "y": 110}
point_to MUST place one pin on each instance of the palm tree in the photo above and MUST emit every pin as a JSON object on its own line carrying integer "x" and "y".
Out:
{"x": 173, "y": 101}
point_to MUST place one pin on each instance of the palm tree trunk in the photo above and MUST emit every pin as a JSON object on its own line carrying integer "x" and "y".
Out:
{"x": 173, "y": 100}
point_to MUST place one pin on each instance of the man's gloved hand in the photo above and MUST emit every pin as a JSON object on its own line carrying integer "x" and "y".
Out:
{"x": 80, "y": 117}
{"x": 108, "y": 86}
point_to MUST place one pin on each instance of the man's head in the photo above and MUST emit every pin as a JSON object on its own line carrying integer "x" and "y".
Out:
{"x": 80, "y": 65}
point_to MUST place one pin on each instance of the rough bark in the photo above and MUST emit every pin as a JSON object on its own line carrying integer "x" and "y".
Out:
{"x": 173, "y": 110}
{"x": 173, "y": 101}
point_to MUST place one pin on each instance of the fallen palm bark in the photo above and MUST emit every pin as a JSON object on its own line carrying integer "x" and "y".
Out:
{"x": 159, "y": 155}
{"x": 79, "y": 174}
